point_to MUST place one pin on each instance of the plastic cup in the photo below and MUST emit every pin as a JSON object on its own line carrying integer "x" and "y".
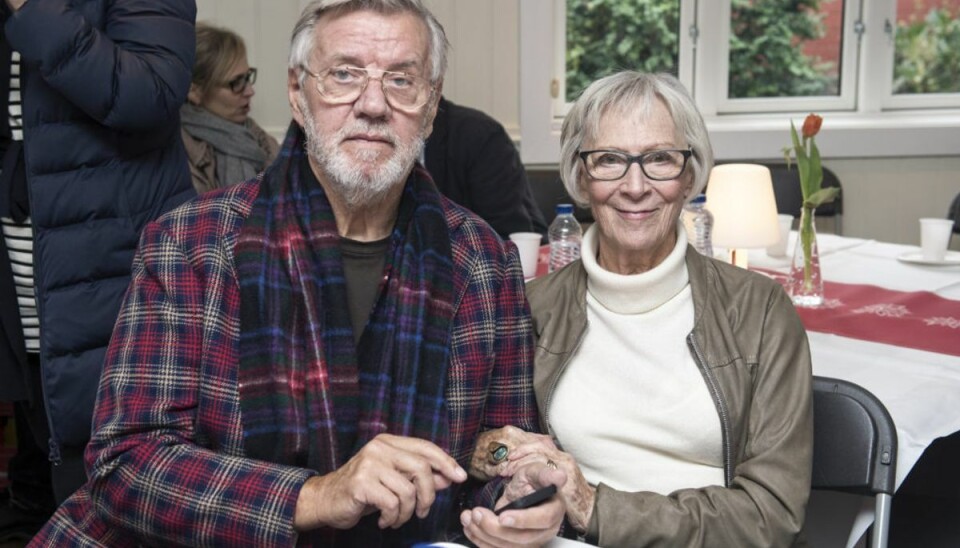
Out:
{"x": 779, "y": 249}
{"x": 529, "y": 245}
{"x": 934, "y": 238}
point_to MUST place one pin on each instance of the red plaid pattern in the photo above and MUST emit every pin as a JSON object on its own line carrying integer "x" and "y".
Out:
{"x": 166, "y": 459}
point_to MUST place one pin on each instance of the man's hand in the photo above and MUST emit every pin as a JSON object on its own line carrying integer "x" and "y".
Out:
{"x": 532, "y": 526}
{"x": 394, "y": 475}
{"x": 16, "y": 4}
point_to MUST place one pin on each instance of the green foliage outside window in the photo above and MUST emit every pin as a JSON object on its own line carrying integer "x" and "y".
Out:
{"x": 766, "y": 58}
{"x": 927, "y": 58}
{"x": 766, "y": 53}
{"x": 605, "y": 36}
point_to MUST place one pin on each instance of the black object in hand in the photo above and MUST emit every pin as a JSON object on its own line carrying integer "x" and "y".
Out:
{"x": 532, "y": 499}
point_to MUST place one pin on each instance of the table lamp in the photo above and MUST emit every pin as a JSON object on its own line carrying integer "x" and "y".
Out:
{"x": 740, "y": 196}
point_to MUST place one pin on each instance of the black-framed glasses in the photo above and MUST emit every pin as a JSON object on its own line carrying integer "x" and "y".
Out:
{"x": 239, "y": 84}
{"x": 657, "y": 165}
{"x": 344, "y": 84}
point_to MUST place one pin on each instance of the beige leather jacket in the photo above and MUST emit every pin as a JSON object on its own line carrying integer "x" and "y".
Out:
{"x": 752, "y": 351}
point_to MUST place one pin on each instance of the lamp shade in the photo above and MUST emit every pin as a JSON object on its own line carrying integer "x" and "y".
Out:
{"x": 740, "y": 196}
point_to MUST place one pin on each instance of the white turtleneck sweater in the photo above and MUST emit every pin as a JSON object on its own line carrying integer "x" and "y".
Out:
{"x": 631, "y": 404}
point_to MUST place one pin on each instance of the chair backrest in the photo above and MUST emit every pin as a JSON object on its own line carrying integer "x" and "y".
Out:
{"x": 548, "y": 191}
{"x": 854, "y": 446}
{"x": 786, "y": 191}
{"x": 954, "y": 213}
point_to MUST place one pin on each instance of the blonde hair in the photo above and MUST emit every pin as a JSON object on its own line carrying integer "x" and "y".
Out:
{"x": 218, "y": 50}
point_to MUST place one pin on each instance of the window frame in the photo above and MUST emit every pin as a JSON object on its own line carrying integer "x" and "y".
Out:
{"x": 884, "y": 18}
{"x": 719, "y": 57}
{"x": 866, "y": 121}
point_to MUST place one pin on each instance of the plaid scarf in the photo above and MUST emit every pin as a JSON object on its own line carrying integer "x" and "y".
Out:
{"x": 308, "y": 396}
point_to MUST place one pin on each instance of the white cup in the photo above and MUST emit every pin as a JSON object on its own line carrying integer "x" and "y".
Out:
{"x": 529, "y": 245}
{"x": 779, "y": 249}
{"x": 934, "y": 238}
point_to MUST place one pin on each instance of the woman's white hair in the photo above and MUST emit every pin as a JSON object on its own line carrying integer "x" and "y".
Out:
{"x": 302, "y": 41}
{"x": 626, "y": 92}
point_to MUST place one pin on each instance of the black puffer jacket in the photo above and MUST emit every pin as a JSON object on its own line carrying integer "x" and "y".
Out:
{"x": 102, "y": 83}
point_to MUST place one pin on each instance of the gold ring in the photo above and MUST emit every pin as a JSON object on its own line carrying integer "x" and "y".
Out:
{"x": 551, "y": 464}
{"x": 498, "y": 451}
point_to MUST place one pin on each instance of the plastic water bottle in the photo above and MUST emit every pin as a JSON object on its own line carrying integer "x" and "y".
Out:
{"x": 564, "y": 235}
{"x": 699, "y": 224}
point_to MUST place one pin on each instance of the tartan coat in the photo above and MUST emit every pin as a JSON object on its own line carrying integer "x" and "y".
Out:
{"x": 166, "y": 461}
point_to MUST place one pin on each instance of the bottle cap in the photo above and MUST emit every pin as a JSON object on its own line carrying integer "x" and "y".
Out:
{"x": 564, "y": 209}
{"x": 701, "y": 199}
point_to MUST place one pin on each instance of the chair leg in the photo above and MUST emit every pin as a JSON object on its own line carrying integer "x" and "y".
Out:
{"x": 881, "y": 524}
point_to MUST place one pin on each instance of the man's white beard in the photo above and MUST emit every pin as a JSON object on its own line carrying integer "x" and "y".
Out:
{"x": 349, "y": 175}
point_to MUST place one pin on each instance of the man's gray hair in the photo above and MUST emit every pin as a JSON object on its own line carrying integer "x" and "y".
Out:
{"x": 620, "y": 94}
{"x": 302, "y": 41}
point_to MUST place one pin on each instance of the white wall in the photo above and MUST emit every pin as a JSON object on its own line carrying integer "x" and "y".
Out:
{"x": 883, "y": 198}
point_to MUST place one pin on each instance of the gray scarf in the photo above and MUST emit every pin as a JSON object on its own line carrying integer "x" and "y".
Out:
{"x": 236, "y": 148}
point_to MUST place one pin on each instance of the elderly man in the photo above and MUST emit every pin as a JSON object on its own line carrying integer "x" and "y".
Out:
{"x": 309, "y": 357}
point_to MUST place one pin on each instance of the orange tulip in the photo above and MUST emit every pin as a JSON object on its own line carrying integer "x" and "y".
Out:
{"x": 811, "y": 125}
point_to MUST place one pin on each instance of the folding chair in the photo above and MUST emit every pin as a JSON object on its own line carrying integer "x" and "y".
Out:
{"x": 548, "y": 191}
{"x": 854, "y": 447}
{"x": 954, "y": 213}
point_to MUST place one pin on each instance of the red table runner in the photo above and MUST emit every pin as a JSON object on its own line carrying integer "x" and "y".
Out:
{"x": 543, "y": 261}
{"x": 920, "y": 319}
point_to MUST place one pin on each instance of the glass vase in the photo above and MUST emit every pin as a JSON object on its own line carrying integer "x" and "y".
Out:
{"x": 804, "y": 283}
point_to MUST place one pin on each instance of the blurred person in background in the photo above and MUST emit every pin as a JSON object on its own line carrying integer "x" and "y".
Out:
{"x": 102, "y": 83}
{"x": 675, "y": 388}
{"x": 224, "y": 144}
{"x": 474, "y": 163}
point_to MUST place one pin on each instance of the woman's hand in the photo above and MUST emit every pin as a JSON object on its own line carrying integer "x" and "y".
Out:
{"x": 532, "y": 526}
{"x": 493, "y": 448}
{"x": 577, "y": 494}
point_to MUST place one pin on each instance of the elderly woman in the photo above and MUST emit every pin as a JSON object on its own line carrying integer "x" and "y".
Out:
{"x": 224, "y": 145}
{"x": 678, "y": 386}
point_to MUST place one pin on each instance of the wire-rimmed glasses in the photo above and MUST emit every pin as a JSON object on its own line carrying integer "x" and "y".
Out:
{"x": 657, "y": 165}
{"x": 344, "y": 84}
{"x": 240, "y": 83}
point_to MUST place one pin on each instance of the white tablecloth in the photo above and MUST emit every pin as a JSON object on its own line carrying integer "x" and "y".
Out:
{"x": 920, "y": 389}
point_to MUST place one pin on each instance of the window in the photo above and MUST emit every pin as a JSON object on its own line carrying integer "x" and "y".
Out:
{"x": 602, "y": 36}
{"x": 886, "y": 72}
{"x": 775, "y": 58}
{"x": 926, "y": 53}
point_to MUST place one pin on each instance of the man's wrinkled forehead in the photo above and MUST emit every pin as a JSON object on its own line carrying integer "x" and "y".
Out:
{"x": 394, "y": 40}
